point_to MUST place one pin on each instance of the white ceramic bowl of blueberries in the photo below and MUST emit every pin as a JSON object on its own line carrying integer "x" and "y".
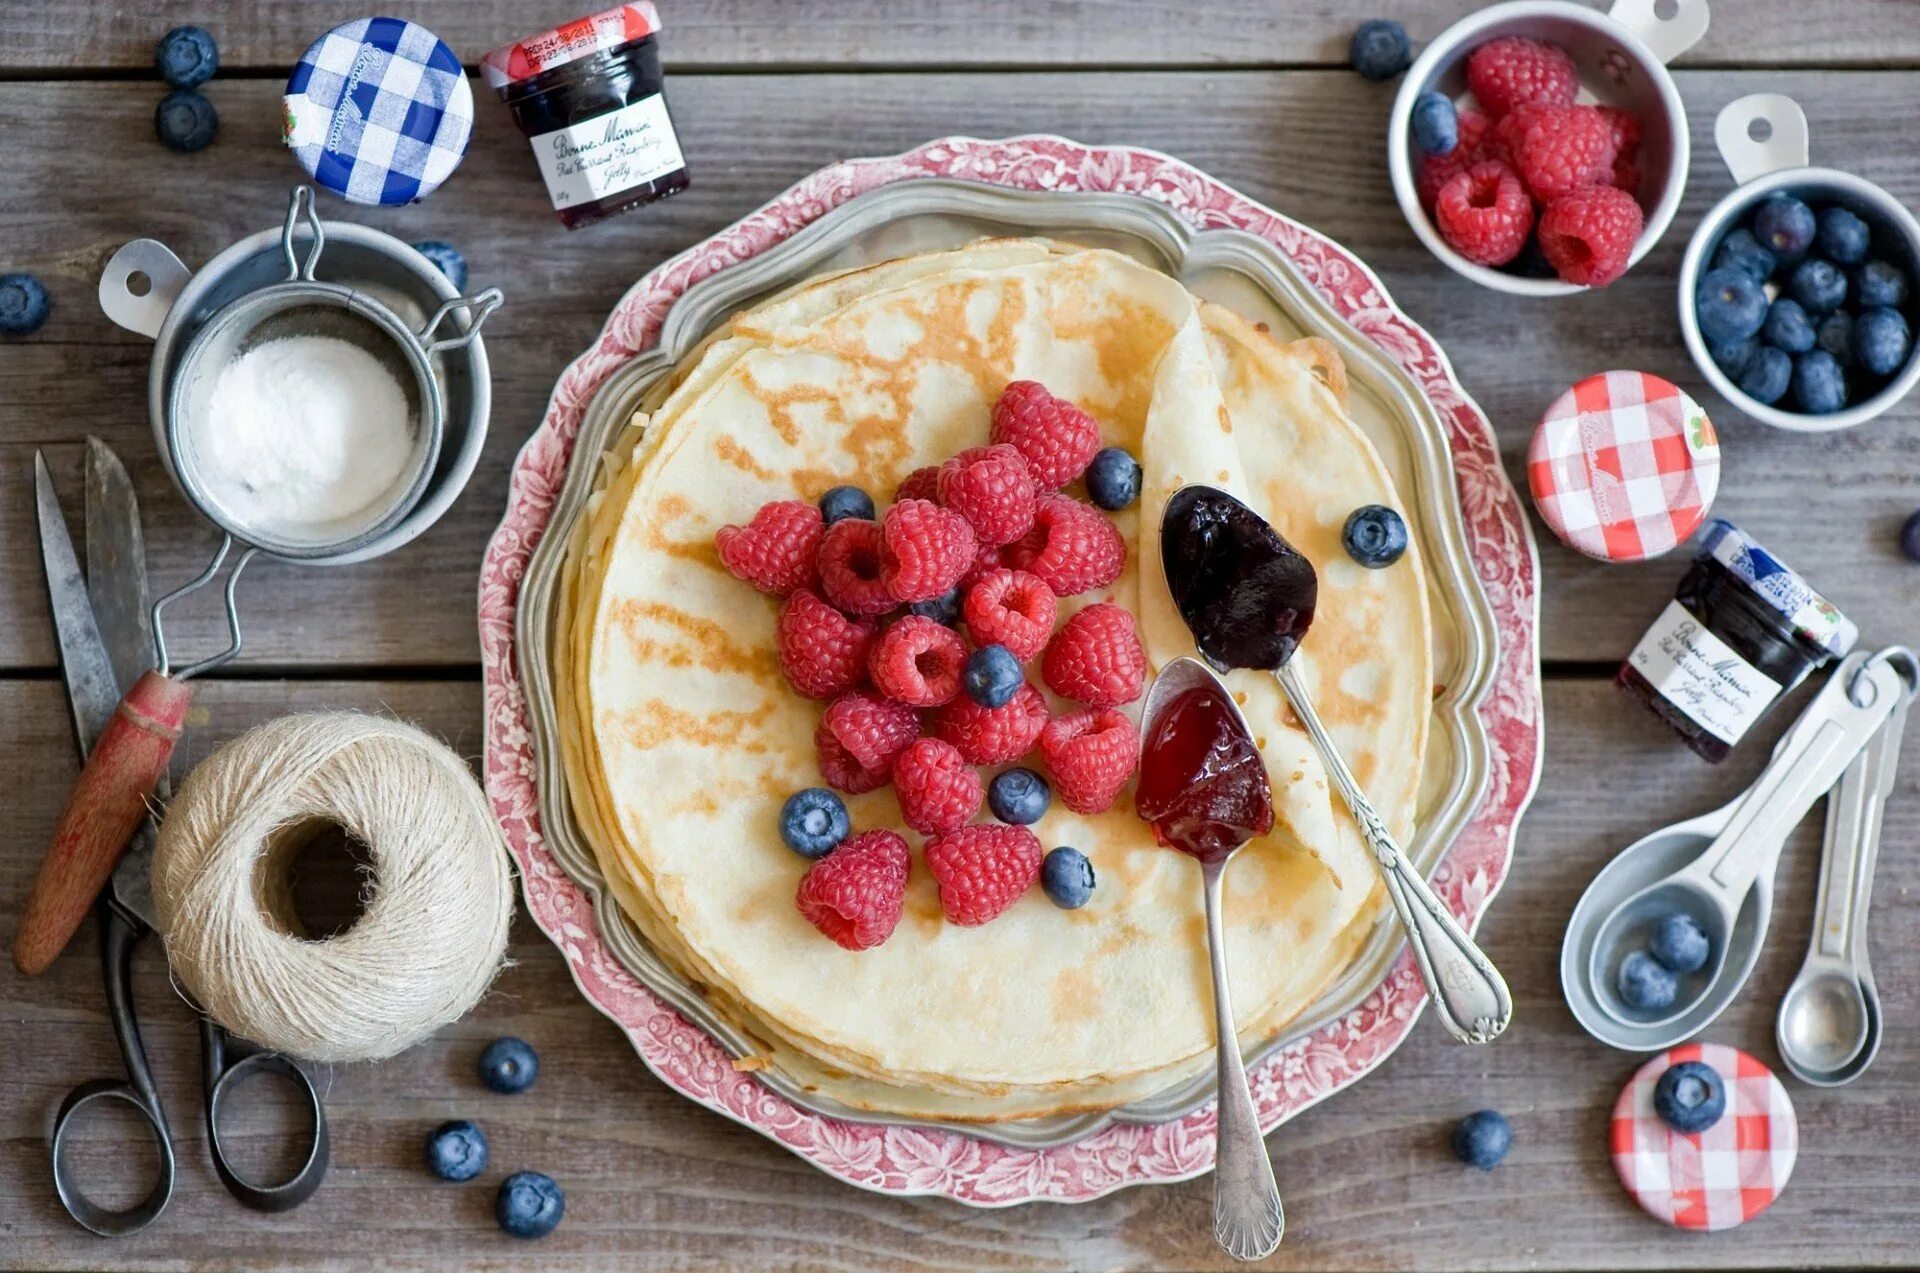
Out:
{"x": 1797, "y": 294}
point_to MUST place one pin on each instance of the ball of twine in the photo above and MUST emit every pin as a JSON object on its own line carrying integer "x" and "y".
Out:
{"x": 433, "y": 932}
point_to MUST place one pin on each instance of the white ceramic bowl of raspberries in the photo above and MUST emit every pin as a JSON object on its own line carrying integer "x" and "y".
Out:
{"x": 1800, "y": 291}
{"x": 1571, "y": 143}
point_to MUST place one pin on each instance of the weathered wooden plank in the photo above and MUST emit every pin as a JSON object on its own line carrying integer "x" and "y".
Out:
{"x": 1306, "y": 142}
{"x": 40, "y": 35}
{"x": 655, "y": 1183}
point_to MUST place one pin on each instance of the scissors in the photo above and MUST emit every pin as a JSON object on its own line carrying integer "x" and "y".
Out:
{"x": 106, "y": 640}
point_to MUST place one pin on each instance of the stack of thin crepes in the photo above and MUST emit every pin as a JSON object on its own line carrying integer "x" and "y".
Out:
{"x": 682, "y": 739}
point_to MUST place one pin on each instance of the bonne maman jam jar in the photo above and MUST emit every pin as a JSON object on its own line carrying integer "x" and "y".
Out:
{"x": 591, "y": 101}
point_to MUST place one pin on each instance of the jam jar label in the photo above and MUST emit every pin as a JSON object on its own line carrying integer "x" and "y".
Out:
{"x": 1702, "y": 675}
{"x": 609, "y": 153}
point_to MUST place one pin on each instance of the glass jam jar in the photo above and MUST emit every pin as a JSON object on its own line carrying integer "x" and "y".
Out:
{"x": 590, "y": 100}
{"x": 1741, "y": 631}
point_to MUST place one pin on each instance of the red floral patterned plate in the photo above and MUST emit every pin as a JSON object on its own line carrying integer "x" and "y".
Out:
{"x": 953, "y": 1164}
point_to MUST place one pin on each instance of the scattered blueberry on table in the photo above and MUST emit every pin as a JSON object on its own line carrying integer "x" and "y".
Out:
{"x": 1910, "y": 537}
{"x": 24, "y": 304}
{"x": 447, "y": 259}
{"x": 1019, "y": 797}
{"x": 1482, "y": 1139}
{"x": 185, "y": 121}
{"x": 1375, "y": 536}
{"x": 1113, "y": 479}
{"x": 1380, "y": 50}
{"x": 1067, "y": 877}
{"x": 813, "y": 822}
{"x": 529, "y": 1205}
{"x": 457, "y": 1150}
{"x": 842, "y": 502}
{"x": 1645, "y": 984}
{"x": 187, "y": 57}
{"x": 1690, "y": 1097}
{"x": 943, "y": 609}
{"x": 1436, "y": 123}
{"x": 1679, "y": 944}
{"x": 993, "y": 676}
{"x": 509, "y": 1065}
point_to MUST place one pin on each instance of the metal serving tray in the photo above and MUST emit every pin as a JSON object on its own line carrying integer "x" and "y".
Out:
{"x": 1236, "y": 269}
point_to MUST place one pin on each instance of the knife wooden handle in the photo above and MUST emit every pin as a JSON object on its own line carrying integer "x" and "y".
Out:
{"x": 102, "y": 813}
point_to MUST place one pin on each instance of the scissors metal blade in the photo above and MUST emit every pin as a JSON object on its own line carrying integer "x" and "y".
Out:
{"x": 117, "y": 565}
{"x": 92, "y": 689}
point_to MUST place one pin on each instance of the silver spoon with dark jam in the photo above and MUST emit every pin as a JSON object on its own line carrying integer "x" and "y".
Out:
{"x": 1203, "y": 789}
{"x": 1248, "y": 597}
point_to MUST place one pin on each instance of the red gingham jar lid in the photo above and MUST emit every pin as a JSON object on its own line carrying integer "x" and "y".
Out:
{"x": 1624, "y": 466}
{"x": 1714, "y": 1179}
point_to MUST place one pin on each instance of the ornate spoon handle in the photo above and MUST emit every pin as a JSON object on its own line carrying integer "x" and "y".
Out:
{"x": 1471, "y": 996}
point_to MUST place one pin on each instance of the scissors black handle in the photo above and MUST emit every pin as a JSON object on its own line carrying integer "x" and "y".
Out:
{"x": 117, "y": 937}
{"x": 226, "y": 1062}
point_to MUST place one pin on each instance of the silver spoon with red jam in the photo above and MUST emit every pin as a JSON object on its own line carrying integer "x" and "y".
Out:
{"x": 1204, "y": 790}
{"x": 1248, "y": 597}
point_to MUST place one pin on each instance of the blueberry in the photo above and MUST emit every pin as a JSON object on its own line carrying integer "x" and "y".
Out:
{"x": 1879, "y": 283}
{"x": 447, "y": 259}
{"x": 187, "y": 57}
{"x": 1729, "y": 304}
{"x": 509, "y": 1065}
{"x": 1835, "y": 335}
{"x": 1113, "y": 479}
{"x": 1819, "y": 386}
{"x": 1679, "y": 944}
{"x": 1741, "y": 251}
{"x": 1785, "y": 226}
{"x": 1690, "y": 1097}
{"x": 846, "y": 501}
{"x": 1910, "y": 538}
{"x": 1788, "y": 327}
{"x": 529, "y": 1204}
{"x": 1818, "y": 285}
{"x": 185, "y": 121}
{"x": 1645, "y": 983}
{"x": 457, "y": 1150}
{"x": 943, "y": 609}
{"x": 1733, "y": 356}
{"x": 1436, "y": 124}
{"x": 993, "y": 676}
{"x": 813, "y": 822}
{"x": 1067, "y": 877}
{"x": 1881, "y": 340}
{"x": 1380, "y": 49}
{"x": 1018, "y": 797}
{"x": 1843, "y": 238}
{"x": 1482, "y": 1139}
{"x": 24, "y": 304}
{"x": 1375, "y": 536}
{"x": 1766, "y": 378}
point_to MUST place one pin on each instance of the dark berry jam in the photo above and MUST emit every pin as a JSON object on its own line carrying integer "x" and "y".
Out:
{"x": 1202, "y": 787}
{"x": 1245, "y": 592}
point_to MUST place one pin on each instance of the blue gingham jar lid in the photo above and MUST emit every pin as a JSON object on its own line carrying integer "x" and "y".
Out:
{"x": 379, "y": 111}
{"x": 1810, "y": 615}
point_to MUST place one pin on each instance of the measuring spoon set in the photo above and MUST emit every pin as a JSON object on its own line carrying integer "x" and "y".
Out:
{"x": 1718, "y": 868}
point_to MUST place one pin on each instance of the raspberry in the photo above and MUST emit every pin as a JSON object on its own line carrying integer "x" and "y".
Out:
{"x": 1506, "y": 72}
{"x": 841, "y": 771}
{"x": 919, "y": 484}
{"x": 918, "y": 661}
{"x": 850, "y": 567}
{"x": 983, "y": 869}
{"x": 1058, "y": 438}
{"x": 822, "y": 651}
{"x": 856, "y": 893}
{"x": 1011, "y": 608}
{"x": 1588, "y": 236}
{"x": 1559, "y": 148}
{"x": 992, "y": 487}
{"x": 939, "y": 792}
{"x": 924, "y": 549}
{"x": 1626, "y": 176}
{"x": 1091, "y": 754}
{"x": 1476, "y": 145}
{"x": 1071, "y": 547}
{"x": 1096, "y": 658}
{"x": 993, "y": 735}
{"x": 1626, "y": 130}
{"x": 873, "y": 730}
{"x": 1485, "y": 214}
{"x": 776, "y": 552}
{"x": 985, "y": 560}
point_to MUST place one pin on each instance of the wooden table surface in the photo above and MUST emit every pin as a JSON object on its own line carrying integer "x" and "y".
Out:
{"x": 765, "y": 92}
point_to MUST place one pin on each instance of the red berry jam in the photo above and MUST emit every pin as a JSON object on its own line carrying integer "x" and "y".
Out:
{"x": 589, "y": 98}
{"x": 1203, "y": 787}
{"x": 1245, "y": 593}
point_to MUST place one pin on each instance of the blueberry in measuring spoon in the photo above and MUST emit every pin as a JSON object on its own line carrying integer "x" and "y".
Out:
{"x": 185, "y": 121}
{"x": 1835, "y": 335}
{"x": 1113, "y": 479}
{"x": 1690, "y": 1097}
{"x": 24, "y": 304}
{"x": 1767, "y": 376}
{"x": 1243, "y": 591}
{"x": 508, "y": 1065}
{"x": 842, "y": 502}
{"x": 457, "y": 1150}
{"x": 1436, "y": 124}
{"x": 1818, "y": 285}
{"x": 1881, "y": 340}
{"x": 1019, "y": 797}
{"x": 529, "y": 1204}
{"x": 1375, "y": 536}
{"x": 1729, "y": 305}
{"x": 1819, "y": 386}
{"x": 1733, "y": 356}
{"x": 1842, "y": 237}
{"x": 1679, "y": 944}
{"x": 1879, "y": 283}
{"x": 1785, "y": 226}
{"x": 1788, "y": 327}
{"x": 187, "y": 57}
{"x": 447, "y": 259}
{"x": 1645, "y": 984}
{"x": 943, "y": 609}
{"x": 1067, "y": 878}
{"x": 813, "y": 822}
{"x": 1380, "y": 49}
{"x": 1910, "y": 538}
{"x": 1482, "y": 1139}
{"x": 993, "y": 676}
{"x": 1741, "y": 251}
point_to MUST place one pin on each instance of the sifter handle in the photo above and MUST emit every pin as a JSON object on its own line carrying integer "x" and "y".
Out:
{"x": 104, "y": 809}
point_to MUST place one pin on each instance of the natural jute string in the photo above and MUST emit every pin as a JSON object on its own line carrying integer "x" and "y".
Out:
{"x": 434, "y": 929}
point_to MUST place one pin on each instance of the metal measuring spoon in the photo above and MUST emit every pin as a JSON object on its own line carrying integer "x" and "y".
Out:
{"x": 1828, "y": 1029}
